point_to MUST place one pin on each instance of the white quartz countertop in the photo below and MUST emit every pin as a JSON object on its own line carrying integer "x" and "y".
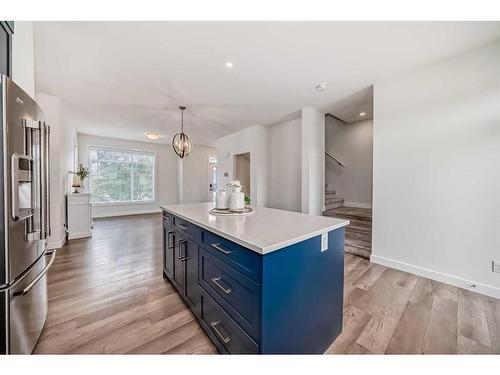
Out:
{"x": 264, "y": 231}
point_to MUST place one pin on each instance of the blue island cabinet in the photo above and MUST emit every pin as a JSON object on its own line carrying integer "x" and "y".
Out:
{"x": 288, "y": 301}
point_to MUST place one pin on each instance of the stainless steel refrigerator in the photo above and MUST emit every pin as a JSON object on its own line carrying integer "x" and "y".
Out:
{"x": 25, "y": 220}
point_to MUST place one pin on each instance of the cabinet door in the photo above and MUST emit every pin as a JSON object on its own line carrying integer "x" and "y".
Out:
{"x": 179, "y": 275}
{"x": 168, "y": 250}
{"x": 192, "y": 287}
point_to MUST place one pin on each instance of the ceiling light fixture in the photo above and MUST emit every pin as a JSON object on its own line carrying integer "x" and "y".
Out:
{"x": 229, "y": 64}
{"x": 181, "y": 143}
{"x": 362, "y": 114}
{"x": 321, "y": 87}
{"x": 153, "y": 135}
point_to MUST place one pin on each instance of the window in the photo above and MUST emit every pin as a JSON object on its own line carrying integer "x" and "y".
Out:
{"x": 121, "y": 175}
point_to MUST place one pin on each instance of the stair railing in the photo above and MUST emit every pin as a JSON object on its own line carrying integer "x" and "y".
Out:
{"x": 340, "y": 163}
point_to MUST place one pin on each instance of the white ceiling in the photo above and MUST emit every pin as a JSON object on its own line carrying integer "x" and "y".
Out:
{"x": 121, "y": 79}
{"x": 349, "y": 108}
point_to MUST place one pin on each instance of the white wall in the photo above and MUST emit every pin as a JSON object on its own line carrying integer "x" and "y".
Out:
{"x": 287, "y": 170}
{"x": 254, "y": 140}
{"x": 436, "y": 187}
{"x": 166, "y": 174}
{"x": 62, "y": 158}
{"x": 285, "y": 165}
{"x": 69, "y": 150}
{"x": 196, "y": 174}
{"x": 313, "y": 161}
{"x": 23, "y": 63}
{"x": 353, "y": 145}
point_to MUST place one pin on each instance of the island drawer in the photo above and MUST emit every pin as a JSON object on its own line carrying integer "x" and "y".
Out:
{"x": 230, "y": 335}
{"x": 186, "y": 228}
{"x": 244, "y": 260}
{"x": 236, "y": 293}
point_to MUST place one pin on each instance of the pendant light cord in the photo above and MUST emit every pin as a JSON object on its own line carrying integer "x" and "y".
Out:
{"x": 182, "y": 121}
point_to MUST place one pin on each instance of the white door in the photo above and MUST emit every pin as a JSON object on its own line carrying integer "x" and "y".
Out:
{"x": 212, "y": 178}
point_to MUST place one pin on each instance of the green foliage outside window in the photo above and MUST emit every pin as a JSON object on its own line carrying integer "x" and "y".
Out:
{"x": 121, "y": 175}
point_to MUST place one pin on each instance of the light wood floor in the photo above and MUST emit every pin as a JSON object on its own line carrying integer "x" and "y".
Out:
{"x": 107, "y": 295}
{"x": 358, "y": 234}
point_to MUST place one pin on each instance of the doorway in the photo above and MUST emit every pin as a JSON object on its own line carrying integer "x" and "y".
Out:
{"x": 242, "y": 171}
{"x": 349, "y": 168}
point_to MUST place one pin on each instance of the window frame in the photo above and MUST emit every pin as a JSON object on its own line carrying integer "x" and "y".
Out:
{"x": 125, "y": 149}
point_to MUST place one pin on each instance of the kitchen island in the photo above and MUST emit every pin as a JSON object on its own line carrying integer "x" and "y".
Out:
{"x": 270, "y": 282}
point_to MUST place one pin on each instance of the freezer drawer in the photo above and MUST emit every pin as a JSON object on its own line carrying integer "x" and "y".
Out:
{"x": 28, "y": 308}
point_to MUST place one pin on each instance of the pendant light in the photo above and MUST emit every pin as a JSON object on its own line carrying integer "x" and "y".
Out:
{"x": 181, "y": 143}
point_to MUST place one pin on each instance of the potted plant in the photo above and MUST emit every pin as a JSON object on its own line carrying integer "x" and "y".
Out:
{"x": 81, "y": 173}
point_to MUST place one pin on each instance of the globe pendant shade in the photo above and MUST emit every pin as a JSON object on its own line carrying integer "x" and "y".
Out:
{"x": 181, "y": 144}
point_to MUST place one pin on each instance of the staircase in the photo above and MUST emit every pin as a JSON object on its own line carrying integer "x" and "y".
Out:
{"x": 331, "y": 201}
{"x": 358, "y": 234}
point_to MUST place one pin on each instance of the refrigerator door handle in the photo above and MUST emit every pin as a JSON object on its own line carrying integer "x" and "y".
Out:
{"x": 31, "y": 129}
{"x": 44, "y": 180}
{"x": 46, "y": 133}
{"x": 30, "y": 286}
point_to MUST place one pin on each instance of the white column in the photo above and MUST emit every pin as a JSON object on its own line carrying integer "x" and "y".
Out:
{"x": 180, "y": 180}
{"x": 313, "y": 160}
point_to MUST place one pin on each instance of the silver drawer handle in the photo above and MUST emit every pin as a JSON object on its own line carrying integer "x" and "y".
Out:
{"x": 182, "y": 226}
{"x": 170, "y": 235}
{"x": 225, "y": 340}
{"x": 217, "y": 246}
{"x": 37, "y": 279}
{"x": 216, "y": 280}
{"x": 184, "y": 257}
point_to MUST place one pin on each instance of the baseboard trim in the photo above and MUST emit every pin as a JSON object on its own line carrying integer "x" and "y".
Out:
{"x": 125, "y": 213}
{"x": 75, "y": 236}
{"x": 357, "y": 205}
{"x": 56, "y": 244}
{"x": 459, "y": 282}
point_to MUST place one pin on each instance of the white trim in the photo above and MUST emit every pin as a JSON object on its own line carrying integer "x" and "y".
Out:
{"x": 56, "y": 244}
{"x": 459, "y": 282}
{"x": 357, "y": 205}
{"x": 75, "y": 236}
{"x": 125, "y": 213}
{"x": 119, "y": 203}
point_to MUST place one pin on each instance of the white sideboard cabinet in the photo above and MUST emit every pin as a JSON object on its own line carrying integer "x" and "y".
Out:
{"x": 79, "y": 215}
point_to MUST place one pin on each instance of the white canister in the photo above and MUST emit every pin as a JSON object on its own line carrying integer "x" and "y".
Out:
{"x": 237, "y": 200}
{"x": 221, "y": 199}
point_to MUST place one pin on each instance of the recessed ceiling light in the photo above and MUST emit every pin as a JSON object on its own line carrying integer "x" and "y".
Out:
{"x": 153, "y": 135}
{"x": 362, "y": 114}
{"x": 321, "y": 87}
{"x": 229, "y": 64}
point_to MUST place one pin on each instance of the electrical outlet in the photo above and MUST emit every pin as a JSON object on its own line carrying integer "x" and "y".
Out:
{"x": 495, "y": 266}
{"x": 324, "y": 241}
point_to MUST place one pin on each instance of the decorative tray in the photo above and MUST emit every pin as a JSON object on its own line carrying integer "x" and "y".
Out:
{"x": 227, "y": 212}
